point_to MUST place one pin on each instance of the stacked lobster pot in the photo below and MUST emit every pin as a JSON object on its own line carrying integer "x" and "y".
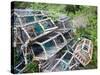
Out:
{"x": 38, "y": 38}
{"x": 64, "y": 59}
{"x": 27, "y": 27}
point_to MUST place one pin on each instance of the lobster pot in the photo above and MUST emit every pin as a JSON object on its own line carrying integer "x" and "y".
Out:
{"x": 68, "y": 35}
{"x": 66, "y": 62}
{"x": 43, "y": 26}
{"x": 38, "y": 29}
{"x": 22, "y": 35}
{"x": 22, "y": 57}
{"x": 25, "y": 16}
{"x": 83, "y": 51}
{"x": 20, "y": 67}
{"x": 19, "y": 62}
{"x": 15, "y": 21}
{"x": 31, "y": 24}
{"x": 48, "y": 46}
{"x": 18, "y": 55}
{"x": 29, "y": 12}
{"x": 63, "y": 63}
{"x": 64, "y": 23}
{"x": 28, "y": 53}
{"x": 29, "y": 15}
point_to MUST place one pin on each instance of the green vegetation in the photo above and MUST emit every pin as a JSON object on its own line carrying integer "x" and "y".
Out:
{"x": 90, "y": 31}
{"x": 55, "y": 10}
{"x": 32, "y": 67}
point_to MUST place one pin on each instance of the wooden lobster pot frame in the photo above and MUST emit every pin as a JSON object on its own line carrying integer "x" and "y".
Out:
{"x": 72, "y": 44}
{"x": 63, "y": 63}
{"x": 64, "y": 24}
{"x": 20, "y": 67}
{"x": 83, "y": 51}
{"x": 25, "y": 57}
{"x": 19, "y": 62}
{"x": 26, "y": 25}
{"x": 29, "y": 12}
{"x": 22, "y": 17}
{"x": 39, "y": 28}
{"x": 31, "y": 25}
{"x": 56, "y": 47}
{"x": 47, "y": 47}
{"x": 68, "y": 35}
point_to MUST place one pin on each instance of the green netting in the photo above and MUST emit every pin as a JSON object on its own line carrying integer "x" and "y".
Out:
{"x": 27, "y": 19}
{"x": 48, "y": 46}
{"x": 38, "y": 29}
{"x": 30, "y": 18}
